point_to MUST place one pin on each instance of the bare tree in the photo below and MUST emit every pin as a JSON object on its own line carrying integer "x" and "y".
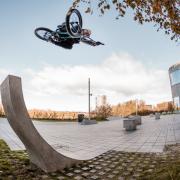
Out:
{"x": 102, "y": 112}
{"x": 1, "y": 111}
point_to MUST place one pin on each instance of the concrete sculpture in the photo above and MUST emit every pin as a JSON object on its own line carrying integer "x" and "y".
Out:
{"x": 40, "y": 152}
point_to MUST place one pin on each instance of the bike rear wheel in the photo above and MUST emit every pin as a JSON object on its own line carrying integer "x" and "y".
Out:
{"x": 43, "y": 33}
{"x": 74, "y": 23}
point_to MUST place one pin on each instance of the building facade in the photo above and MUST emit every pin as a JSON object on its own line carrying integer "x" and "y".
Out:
{"x": 164, "y": 106}
{"x": 148, "y": 107}
{"x": 101, "y": 100}
{"x": 174, "y": 74}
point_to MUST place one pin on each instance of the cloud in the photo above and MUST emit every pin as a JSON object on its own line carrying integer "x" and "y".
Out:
{"x": 3, "y": 73}
{"x": 120, "y": 77}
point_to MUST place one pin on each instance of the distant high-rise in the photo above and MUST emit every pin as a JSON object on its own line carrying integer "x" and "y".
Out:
{"x": 101, "y": 100}
{"x": 174, "y": 74}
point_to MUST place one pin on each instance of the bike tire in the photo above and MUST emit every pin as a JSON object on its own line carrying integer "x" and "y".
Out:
{"x": 68, "y": 28}
{"x": 37, "y": 30}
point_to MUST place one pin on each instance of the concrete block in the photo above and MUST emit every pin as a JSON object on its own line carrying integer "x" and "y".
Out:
{"x": 88, "y": 122}
{"x": 151, "y": 115}
{"x": 157, "y": 116}
{"x": 137, "y": 119}
{"x": 129, "y": 124}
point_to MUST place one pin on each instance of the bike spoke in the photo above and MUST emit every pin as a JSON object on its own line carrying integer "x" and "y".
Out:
{"x": 74, "y": 23}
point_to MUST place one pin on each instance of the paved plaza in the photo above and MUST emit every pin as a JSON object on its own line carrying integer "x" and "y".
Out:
{"x": 85, "y": 142}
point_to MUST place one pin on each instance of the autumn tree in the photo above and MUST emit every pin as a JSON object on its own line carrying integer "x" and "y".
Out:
{"x": 171, "y": 107}
{"x": 129, "y": 108}
{"x": 1, "y": 111}
{"x": 125, "y": 109}
{"x": 165, "y": 14}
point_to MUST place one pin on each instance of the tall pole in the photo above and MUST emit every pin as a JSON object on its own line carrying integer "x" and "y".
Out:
{"x": 136, "y": 107}
{"x": 96, "y": 103}
{"x": 89, "y": 98}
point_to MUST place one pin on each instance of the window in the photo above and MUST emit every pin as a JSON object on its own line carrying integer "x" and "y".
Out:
{"x": 175, "y": 77}
{"x": 177, "y": 103}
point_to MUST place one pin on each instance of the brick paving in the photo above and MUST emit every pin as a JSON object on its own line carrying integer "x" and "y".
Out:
{"x": 116, "y": 165}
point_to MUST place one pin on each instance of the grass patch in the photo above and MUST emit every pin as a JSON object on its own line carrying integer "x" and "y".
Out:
{"x": 163, "y": 166}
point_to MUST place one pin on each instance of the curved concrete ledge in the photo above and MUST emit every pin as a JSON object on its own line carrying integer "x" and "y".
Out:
{"x": 40, "y": 152}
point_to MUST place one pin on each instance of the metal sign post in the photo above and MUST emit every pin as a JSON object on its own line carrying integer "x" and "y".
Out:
{"x": 136, "y": 107}
{"x": 89, "y": 98}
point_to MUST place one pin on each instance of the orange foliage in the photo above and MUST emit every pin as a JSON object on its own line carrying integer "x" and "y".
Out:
{"x": 49, "y": 114}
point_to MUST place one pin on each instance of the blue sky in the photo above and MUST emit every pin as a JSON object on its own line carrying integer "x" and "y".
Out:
{"x": 21, "y": 53}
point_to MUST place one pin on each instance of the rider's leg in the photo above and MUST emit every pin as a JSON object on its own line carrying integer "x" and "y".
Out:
{"x": 86, "y": 32}
{"x": 66, "y": 45}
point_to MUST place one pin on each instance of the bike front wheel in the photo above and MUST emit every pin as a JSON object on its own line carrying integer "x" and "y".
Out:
{"x": 74, "y": 23}
{"x": 43, "y": 33}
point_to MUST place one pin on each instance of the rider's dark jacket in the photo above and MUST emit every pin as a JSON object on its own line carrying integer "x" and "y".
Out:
{"x": 67, "y": 43}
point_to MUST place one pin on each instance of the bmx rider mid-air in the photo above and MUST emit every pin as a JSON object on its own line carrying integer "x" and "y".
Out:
{"x": 68, "y": 33}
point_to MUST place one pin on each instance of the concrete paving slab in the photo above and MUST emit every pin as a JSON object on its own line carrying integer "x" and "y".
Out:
{"x": 85, "y": 142}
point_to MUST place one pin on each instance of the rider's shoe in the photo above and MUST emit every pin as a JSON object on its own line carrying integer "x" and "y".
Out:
{"x": 99, "y": 43}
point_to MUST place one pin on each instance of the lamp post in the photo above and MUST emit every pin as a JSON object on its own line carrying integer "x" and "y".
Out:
{"x": 89, "y": 98}
{"x": 136, "y": 107}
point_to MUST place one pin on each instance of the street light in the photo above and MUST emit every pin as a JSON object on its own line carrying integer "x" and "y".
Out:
{"x": 89, "y": 98}
{"x": 136, "y": 107}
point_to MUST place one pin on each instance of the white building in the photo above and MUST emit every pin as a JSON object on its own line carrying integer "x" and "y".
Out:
{"x": 174, "y": 73}
{"x": 101, "y": 100}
